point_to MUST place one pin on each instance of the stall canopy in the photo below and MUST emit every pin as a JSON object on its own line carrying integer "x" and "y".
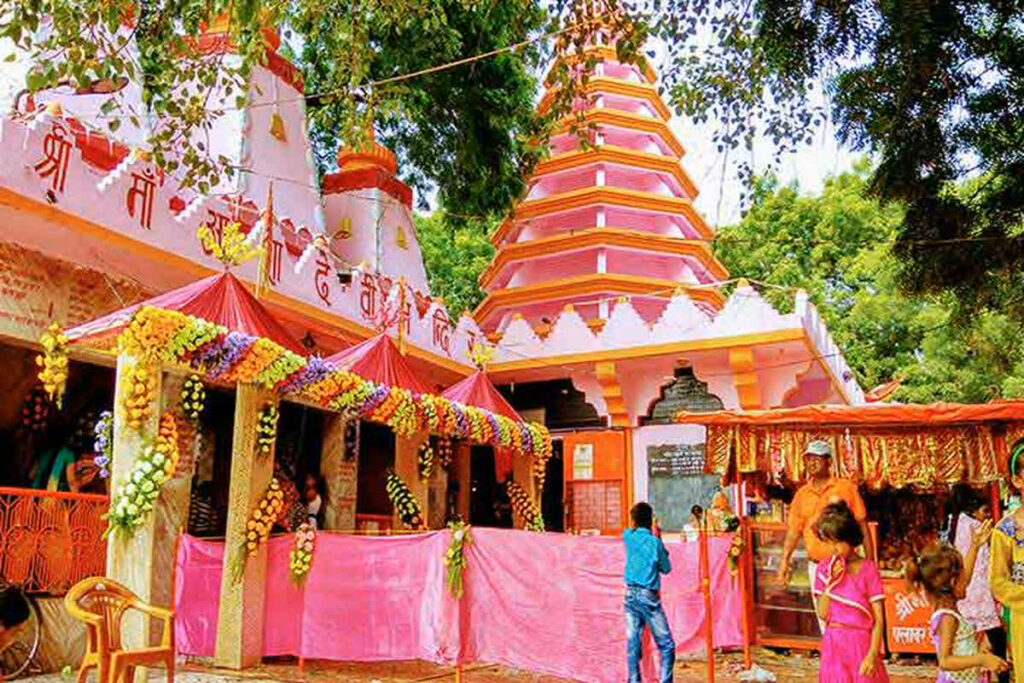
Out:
{"x": 477, "y": 390}
{"x": 379, "y": 360}
{"x": 882, "y": 445}
{"x": 219, "y": 299}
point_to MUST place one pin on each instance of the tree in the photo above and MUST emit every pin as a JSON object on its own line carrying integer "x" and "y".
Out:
{"x": 449, "y": 83}
{"x": 934, "y": 88}
{"x": 454, "y": 261}
{"x": 838, "y": 247}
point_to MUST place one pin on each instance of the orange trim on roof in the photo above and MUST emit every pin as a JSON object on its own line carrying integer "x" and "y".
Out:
{"x": 615, "y": 196}
{"x": 613, "y": 154}
{"x": 608, "y": 85}
{"x": 603, "y": 53}
{"x": 622, "y": 119}
{"x": 604, "y": 237}
{"x": 591, "y": 283}
{"x": 870, "y": 414}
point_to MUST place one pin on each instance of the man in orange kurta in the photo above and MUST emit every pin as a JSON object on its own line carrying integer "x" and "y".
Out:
{"x": 820, "y": 490}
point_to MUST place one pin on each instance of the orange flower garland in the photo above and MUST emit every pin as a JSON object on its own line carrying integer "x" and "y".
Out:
{"x": 138, "y": 394}
{"x": 259, "y": 525}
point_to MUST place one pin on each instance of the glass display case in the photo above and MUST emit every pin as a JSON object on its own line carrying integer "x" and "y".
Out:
{"x": 782, "y": 615}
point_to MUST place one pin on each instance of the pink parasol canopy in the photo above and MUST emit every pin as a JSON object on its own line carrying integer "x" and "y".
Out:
{"x": 477, "y": 390}
{"x": 379, "y": 360}
{"x": 220, "y": 299}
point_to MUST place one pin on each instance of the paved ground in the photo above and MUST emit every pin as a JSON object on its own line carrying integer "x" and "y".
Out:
{"x": 792, "y": 668}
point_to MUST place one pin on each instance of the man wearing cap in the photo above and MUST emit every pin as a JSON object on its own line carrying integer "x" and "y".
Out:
{"x": 821, "y": 490}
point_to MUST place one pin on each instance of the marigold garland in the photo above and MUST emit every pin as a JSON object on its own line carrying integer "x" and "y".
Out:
{"x": 138, "y": 394}
{"x": 524, "y": 507}
{"x": 455, "y": 557}
{"x": 301, "y": 559}
{"x": 736, "y": 553}
{"x": 266, "y": 429}
{"x": 54, "y": 363}
{"x": 231, "y": 247}
{"x": 135, "y": 497}
{"x": 425, "y": 460}
{"x": 259, "y": 525}
{"x": 193, "y": 397}
{"x": 406, "y": 505}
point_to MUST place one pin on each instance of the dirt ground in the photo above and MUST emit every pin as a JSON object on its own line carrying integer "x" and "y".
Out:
{"x": 786, "y": 668}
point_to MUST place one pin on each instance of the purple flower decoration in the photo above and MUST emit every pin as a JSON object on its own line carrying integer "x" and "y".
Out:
{"x": 527, "y": 434}
{"x": 102, "y": 446}
{"x": 316, "y": 369}
{"x": 461, "y": 419}
{"x": 234, "y": 348}
{"x": 375, "y": 399}
{"x": 495, "y": 428}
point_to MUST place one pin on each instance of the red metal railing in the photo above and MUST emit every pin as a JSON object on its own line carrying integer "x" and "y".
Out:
{"x": 50, "y": 540}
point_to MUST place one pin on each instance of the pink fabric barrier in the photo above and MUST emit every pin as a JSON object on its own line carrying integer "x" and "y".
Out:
{"x": 545, "y": 602}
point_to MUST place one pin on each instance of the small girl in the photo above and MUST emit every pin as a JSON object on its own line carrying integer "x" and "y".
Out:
{"x": 850, "y": 598}
{"x": 940, "y": 571}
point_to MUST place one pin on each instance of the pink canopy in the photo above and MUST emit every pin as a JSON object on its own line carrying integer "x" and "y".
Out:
{"x": 477, "y": 390}
{"x": 220, "y": 299}
{"x": 379, "y": 360}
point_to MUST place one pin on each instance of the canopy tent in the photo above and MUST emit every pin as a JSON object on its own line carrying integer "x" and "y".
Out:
{"x": 477, "y": 390}
{"x": 219, "y": 299}
{"x": 888, "y": 444}
{"x": 378, "y": 359}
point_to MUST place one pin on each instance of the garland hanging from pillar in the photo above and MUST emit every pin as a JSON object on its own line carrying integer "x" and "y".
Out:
{"x": 455, "y": 557}
{"x": 406, "y": 505}
{"x": 266, "y": 429}
{"x": 138, "y": 395}
{"x": 135, "y": 497}
{"x": 524, "y": 507}
{"x": 301, "y": 559}
{"x": 193, "y": 397}
{"x": 425, "y": 460}
{"x": 54, "y": 363}
{"x": 103, "y": 445}
{"x": 259, "y": 525}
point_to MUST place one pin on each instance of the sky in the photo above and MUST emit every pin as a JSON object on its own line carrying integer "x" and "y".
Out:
{"x": 720, "y": 189}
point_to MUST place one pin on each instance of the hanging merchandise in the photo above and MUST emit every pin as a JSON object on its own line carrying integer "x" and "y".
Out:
{"x": 455, "y": 557}
{"x": 736, "y": 553}
{"x": 135, "y": 497}
{"x": 266, "y": 429}
{"x": 408, "y": 508}
{"x": 193, "y": 397}
{"x": 103, "y": 444}
{"x": 524, "y": 508}
{"x": 351, "y": 440}
{"x": 54, "y": 363}
{"x": 138, "y": 395}
{"x": 301, "y": 560}
{"x": 259, "y": 525}
{"x": 426, "y": 460}
{"x": 35, "y": 410}
{"x": 540, "y": 468}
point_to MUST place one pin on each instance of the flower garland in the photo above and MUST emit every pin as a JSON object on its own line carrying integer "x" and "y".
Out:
{"x": 455, "y": 557}
{"x": 444, "y": 451}
{"x": 408, "y": 508}
{"x": 54, "y": 363}
{"x": 103, "y": 445}
{"x": 301, "y": 559}
{"x": 137, "y": 495}
{"x": 425, "y": 460}
{"x": 735, "y": 553}
{"x": 231, "y": 247}
{"x": 193, "y": 397}
{"x": 259, "y": 525}
{"x": 35, "y": 410}
{"x": 524, "y": 507}
{"x": 138, "y": 395}
{"x": 266, "y": 429}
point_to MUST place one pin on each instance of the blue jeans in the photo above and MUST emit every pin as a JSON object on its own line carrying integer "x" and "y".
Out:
{"x": 643, "y": 608}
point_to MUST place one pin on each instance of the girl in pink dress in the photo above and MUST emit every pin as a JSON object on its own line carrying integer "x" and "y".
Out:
{"x": 940, "y": 571}
{"x": 850, "y": 597}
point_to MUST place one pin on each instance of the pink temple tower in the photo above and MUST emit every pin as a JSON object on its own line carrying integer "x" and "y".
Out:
{"x": 608, "y": 220}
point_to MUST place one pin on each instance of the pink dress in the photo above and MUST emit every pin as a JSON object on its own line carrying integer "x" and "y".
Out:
{"x": 847, "y": 638}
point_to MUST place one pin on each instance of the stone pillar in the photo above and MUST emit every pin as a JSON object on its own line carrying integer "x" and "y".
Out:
{"x": 522, "y": 474}
{"x": 130, "y": 561}
{"x": 407, "y": 467}
{"x": 341, "y": 475}
{"x": 240, "y": 625}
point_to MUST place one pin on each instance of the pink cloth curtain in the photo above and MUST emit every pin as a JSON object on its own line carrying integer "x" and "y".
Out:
{"x": 545, "y": 602}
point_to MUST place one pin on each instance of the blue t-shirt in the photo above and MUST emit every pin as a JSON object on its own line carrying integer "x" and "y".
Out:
{"x": 646, "y": 559}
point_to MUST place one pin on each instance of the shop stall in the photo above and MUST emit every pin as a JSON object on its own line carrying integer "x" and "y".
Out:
{"x": 905, "y": 458}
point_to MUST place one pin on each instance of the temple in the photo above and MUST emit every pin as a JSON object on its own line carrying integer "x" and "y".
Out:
{"x": 606, "y": 313}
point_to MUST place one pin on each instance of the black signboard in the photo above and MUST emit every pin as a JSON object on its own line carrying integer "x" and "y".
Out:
{"x": 676, "y": 460}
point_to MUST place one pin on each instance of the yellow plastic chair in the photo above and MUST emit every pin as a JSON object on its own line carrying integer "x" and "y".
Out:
{"x": 101, "y": 604}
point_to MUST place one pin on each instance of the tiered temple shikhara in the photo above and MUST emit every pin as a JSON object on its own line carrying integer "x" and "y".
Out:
{"x": 605, "y": 314}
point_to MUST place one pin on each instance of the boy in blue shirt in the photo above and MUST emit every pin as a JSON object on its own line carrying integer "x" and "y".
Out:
{"x": 646, "y": 561}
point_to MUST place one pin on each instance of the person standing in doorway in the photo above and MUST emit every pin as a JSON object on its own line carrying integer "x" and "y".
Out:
{"x": 820, "y": 491}
{"x": 646, "y": 561}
